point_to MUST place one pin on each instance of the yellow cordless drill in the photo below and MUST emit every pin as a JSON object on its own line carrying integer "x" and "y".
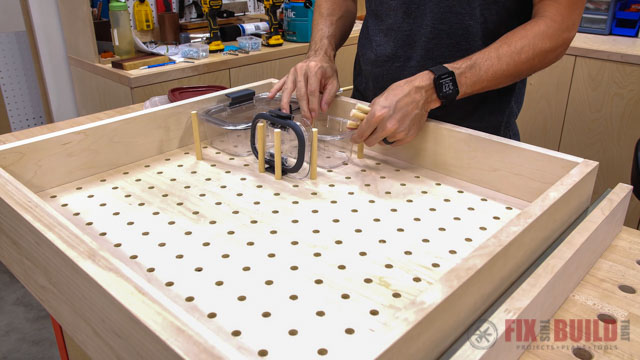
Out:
{"x": 274, "y": 36}
{"x": 210, "y": 9}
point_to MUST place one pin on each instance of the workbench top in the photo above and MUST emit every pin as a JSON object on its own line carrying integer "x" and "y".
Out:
{"x": 604, "y": 290}
{"x": 215, "y": 62}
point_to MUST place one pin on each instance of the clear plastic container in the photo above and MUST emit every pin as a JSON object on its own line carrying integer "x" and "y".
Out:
{"x": 194, "y": 51}
{"x": 249, "y": 43}
{"x": 228, "y": 129}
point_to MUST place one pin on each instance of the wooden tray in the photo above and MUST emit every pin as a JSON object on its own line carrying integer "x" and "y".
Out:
{"x": 139, "y": 250}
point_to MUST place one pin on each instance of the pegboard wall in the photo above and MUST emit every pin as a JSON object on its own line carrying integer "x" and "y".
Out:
{"x": 190, "y": 13}
{"x": 19, "y": 82}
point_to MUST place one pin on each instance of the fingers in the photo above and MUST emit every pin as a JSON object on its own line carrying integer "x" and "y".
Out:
{"x": 366, "y": 128}
{"x": 378, "y": 134}
{"x": 313, "y": 88}
{"x": 289, "y": 87}
{"x": 277, "y": 87}
{"x": 302, "y": 95}
{"x": 329, "y": 94}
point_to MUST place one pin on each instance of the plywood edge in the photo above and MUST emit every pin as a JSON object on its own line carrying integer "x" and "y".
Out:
{"x": 108, "y": 309}
{"x": 547, "y": 287}
{"x": 468, "y": 289}
{"x": 39, "y": 162}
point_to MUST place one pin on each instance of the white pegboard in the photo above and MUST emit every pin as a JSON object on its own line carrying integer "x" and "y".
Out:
{"x": 19, "y": 82}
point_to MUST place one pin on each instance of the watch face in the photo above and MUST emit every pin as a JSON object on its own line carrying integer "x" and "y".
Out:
{"x": 447, "y": 87}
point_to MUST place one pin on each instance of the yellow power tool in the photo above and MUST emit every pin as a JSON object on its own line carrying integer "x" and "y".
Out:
{"x": 274, "y": 36}
{"x": 210, "y": 9}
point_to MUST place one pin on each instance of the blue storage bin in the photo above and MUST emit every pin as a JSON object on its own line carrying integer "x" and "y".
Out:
{"x": 626, "y": 23}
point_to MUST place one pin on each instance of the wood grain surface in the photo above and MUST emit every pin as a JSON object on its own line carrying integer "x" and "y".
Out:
{"x": 616, "y": 48}
{"x": 599, "y": 294}
{"x": 542, "y": 117}
{"x": 603, "y": 122}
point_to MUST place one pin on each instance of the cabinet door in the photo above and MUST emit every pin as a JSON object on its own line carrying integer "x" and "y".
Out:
{"x": 603, "y": 121}
{"x": 269, "y": 69}
{"x": 545, "y": 102}
{"x": 143, "y": 93}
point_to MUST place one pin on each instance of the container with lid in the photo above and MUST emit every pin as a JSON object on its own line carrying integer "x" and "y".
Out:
{"x": 228, "y": 128}
{"x": 121, "y": 29}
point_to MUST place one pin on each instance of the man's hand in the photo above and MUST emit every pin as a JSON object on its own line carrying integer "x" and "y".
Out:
{"x": 399, "y": 112}
{"x": 315, "y": 81}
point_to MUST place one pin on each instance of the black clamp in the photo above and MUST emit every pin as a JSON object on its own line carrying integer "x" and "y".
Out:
{"x": 283, "y": 121}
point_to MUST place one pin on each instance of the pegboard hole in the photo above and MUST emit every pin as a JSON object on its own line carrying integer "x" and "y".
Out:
{"x": 263, "y": 352}
{"x": 396, "y": 295}
{"x": 345, "y": 296}
{"x": 266, "y": 314}
{"x": 323, "y": 351}
{"x": 293, "y": 332}
{"x": 212, "y": 315}
{"x": 242, "y": 298}
{"x": 627, "y": 289}
{"x": 435, "y": 265}
{"x": 293, "y": 297}
{"x": 607, "y": 319}
{"x": 236, "y": 333}
{"x": 582, "y": 353}
{"x": 374, "y": 312}
{"x": 320, "y": 313}
{"x": 169, "y": 284}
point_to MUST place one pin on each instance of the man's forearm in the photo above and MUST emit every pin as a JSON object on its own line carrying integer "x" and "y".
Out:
{"x": 523, "y": 51}
{"x": 332, "y": 24}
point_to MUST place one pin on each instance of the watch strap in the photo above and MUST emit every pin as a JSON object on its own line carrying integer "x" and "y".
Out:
{"x": 439, "y": 70}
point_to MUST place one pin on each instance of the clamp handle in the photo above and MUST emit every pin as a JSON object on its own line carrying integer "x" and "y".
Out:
{"x": 280, "y": 120}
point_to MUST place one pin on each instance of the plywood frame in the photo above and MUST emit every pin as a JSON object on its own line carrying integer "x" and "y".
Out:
{"x": 38, "y": 243}
{"x": 544, "y": 288}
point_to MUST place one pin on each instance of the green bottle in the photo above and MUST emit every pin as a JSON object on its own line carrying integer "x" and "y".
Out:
{"x": 121, "y": 29}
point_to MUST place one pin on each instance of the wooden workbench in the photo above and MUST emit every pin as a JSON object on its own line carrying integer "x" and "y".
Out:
{"x": 100, "y": 87}
{"x": 601, "y": 292}
{"x": 597, "y": 291}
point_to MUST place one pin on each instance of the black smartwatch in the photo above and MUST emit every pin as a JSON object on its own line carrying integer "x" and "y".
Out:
{"x": 445, "y": 84}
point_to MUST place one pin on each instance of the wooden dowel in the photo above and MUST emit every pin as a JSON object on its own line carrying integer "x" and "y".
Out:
{"x": 346, "y": 88}
{"x": 363, "y": 108}
{"x": 261, "y": 145}
{"x": 352, "y": 125}
{"x": 357, "y": 114}
{"x": 314, "y": 155}
{"x": 196, "y": 135}
{"x": 361, "y": 151}
{"x": 277, "y": 153}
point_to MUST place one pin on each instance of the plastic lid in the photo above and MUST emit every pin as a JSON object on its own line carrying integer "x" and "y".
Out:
{"x": 118, "y": 5}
